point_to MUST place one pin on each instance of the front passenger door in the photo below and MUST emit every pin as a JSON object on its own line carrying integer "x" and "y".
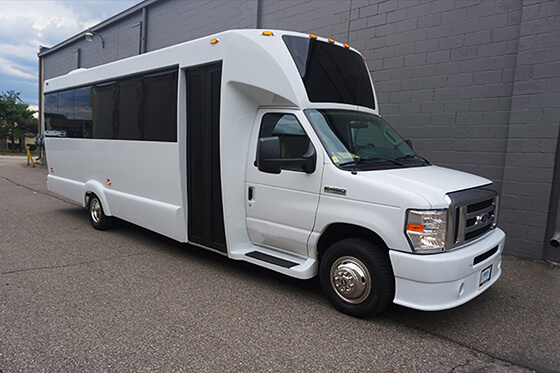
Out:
{"x": 281, "y": 207}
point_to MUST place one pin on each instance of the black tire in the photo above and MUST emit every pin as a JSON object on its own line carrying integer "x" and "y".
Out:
{"x": 357, "y": 277}
{"x": 97, "y": 216}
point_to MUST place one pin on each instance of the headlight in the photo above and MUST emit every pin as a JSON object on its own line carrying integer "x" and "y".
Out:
{"x": 427, "y": 230}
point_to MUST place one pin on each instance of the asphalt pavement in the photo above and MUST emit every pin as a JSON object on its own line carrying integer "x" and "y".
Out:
{"x": 73, "y": 299}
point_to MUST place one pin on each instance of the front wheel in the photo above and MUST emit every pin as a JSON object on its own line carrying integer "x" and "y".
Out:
{"x": 357, "y": 277}
{"x": 97, "y": 217}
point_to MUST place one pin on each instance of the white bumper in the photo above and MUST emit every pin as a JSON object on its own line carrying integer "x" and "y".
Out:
{"x": 446, "y": 280}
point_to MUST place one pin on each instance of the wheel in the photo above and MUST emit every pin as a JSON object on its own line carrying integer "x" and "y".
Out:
{"x": 97, "y": 217}
{"x": 357, "y": 277}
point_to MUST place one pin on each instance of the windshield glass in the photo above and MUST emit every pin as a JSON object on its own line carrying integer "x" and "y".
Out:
{"x": 361, "y": 140}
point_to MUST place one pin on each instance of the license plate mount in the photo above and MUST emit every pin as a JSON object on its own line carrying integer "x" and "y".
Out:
{"x": 485, "y": 275}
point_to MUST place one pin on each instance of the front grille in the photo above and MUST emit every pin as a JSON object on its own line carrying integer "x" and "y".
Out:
{"x": 473, "y": 213}
{"x": 479, "y": 219}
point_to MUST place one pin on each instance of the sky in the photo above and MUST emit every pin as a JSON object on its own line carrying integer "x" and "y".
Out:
{"x": 27, "y": 24}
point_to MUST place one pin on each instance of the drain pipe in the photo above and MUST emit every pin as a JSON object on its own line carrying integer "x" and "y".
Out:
{"x": 555, "y": 240}
{"x": 144, "y": 30}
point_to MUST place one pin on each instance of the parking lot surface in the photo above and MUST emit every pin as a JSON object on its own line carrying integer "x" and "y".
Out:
{"x": 73, "y": 299}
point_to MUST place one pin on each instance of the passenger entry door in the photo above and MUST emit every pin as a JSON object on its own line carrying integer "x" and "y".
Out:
{"x": 281, "y": 207}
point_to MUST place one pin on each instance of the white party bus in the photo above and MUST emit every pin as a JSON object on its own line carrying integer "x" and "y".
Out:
{"x": 268, "y": 147}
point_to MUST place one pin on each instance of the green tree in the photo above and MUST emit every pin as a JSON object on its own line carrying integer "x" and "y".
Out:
{"x": 16, "y": 120}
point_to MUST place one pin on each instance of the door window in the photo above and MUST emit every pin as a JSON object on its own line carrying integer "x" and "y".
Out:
{"x": 293, "y": 140}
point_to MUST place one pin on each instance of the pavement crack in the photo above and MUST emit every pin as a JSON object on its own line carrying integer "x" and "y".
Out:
{"x": 40, "y": 191}
{"x": 460, "y": 366}
{"x": 464, "y": 345}
{"x": 72, "y": 264}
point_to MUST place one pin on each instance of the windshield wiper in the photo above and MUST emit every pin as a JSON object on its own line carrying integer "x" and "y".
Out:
{"x": 409, "y": 156}
{"x": 357, "y": 161}
{"x": 393, "y": 161}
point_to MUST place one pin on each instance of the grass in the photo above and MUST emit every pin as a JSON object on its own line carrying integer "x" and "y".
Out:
{"x": 22, "y": 154}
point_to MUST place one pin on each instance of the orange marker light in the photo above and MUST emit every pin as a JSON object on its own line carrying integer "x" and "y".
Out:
{"x": 346, "y": 45}
{"x": 415, "y": 228}
{"x": 268, "y": 33}
{"x": 214, "y": 41}
{"x": 52, "y": 170}
{"x": 313, "y": 36}
{"x": 330, "y": 40}
{"x": 108, "y": 182}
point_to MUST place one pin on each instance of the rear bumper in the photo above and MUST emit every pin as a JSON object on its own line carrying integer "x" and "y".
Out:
{"x": 446, "y": 280}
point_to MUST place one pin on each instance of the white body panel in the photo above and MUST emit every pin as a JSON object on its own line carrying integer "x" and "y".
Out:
{"x": 287, "y": 214}
{"x": 447, "y": 280}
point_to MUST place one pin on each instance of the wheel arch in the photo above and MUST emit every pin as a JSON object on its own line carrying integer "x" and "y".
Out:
{"x": 339, "y": 231}
{"x": 95, "y": 187}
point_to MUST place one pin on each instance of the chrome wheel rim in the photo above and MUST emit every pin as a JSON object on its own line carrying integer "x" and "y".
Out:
{"x": 350, "y": 279}
{"x": 95, "y": 210}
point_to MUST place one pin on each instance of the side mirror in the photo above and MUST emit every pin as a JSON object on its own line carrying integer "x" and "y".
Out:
{"x": 269, "y": 158}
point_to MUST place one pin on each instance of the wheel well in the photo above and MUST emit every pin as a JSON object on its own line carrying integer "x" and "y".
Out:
{"x": 340, "y": 231}
{"x": 88, "y": 195}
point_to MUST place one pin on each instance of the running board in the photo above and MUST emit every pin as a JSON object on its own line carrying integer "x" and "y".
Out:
{"x": 291, "y": 265}
{"x": 271, "y": 259}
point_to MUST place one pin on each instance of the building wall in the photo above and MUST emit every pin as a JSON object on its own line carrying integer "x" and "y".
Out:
{"x": 474, "y": 83}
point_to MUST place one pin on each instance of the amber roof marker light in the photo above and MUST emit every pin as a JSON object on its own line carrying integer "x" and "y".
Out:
{"x": 267, "y": 33}
{"x": 214, "y": 41}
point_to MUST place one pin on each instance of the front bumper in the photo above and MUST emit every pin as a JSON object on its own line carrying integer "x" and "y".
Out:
{"x": 446, "y": 280}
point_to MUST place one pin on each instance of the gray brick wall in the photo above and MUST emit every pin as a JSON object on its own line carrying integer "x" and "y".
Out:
{"x": 176, "y": 21}
{"x": 529, "y": 200}
{"x": 474, "y": 83}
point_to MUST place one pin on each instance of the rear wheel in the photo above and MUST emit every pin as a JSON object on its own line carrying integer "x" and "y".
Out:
{"x": 97, "y": 217}
{"x": 357, "y": 277}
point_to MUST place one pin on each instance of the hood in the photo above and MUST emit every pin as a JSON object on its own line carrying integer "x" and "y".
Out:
{"x": 417, "y": 187}
{"x": 433, "y": 182}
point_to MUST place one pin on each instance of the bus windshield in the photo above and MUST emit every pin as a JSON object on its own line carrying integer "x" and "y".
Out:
{"x": 364, "y": 141}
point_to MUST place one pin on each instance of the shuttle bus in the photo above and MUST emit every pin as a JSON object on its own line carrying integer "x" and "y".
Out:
{"x": 268, "y": 147}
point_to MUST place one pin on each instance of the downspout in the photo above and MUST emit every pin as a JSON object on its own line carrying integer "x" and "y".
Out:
{"x": 144, "y": 30}
{"x": 259, "y": 14}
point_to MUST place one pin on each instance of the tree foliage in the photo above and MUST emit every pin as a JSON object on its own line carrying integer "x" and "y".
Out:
{"x": 16, "y": 120}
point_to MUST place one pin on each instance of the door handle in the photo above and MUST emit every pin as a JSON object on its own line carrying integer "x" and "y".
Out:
{"x": 250, "y": 193}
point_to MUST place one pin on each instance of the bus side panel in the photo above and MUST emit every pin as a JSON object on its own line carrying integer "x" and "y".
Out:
{"x": 139, "y": 180}
{"x": 65, "y": 187}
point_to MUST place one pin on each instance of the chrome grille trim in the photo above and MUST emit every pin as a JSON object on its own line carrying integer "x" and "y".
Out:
{"x": 472, "y": 213}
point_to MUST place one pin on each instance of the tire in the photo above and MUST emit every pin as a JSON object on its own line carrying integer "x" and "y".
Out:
{"x": 97, "y": 216}
{"x": 357, "y": 277}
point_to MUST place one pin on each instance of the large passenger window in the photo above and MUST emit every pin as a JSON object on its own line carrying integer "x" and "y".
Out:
{"x": 140, "y": 107}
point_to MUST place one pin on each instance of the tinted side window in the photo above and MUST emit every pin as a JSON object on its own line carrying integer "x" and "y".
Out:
{"x": 83, "y": 111}
{"x": 130, "y": 104}
{"x": 160, "y": 107}
{"x": 69, "y": 113}
{"x": 293, "y": 140}
{"x": 141, "y": 107}
{"x": 104, "y": 111}
{"x": 51, "y": 111}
